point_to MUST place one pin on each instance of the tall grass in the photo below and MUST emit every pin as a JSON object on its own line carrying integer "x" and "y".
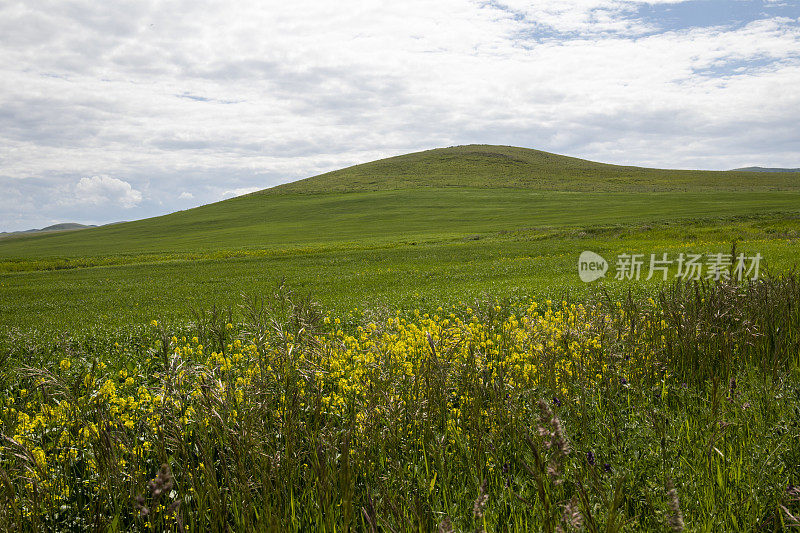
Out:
{"x": 678, "y": 411}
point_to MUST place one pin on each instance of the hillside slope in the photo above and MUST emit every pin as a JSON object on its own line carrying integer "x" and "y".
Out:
{"x": 487, "y": 166}
{"x": 439, "y": 194}
{"x": 767, "y": 169}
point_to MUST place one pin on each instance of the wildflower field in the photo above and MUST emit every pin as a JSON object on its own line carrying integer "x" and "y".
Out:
{"x": 681, "y": 410}
{"x": 432, "y": 361}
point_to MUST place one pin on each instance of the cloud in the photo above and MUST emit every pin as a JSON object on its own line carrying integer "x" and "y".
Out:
{"x": 239, "y": 191}
{"x": 185, "y": 196}
{"x": 105, "y": 190}
{"x": 183, "y": 96}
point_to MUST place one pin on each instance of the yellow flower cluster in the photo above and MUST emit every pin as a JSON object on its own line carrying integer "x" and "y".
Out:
{"x": 124, "y": 411}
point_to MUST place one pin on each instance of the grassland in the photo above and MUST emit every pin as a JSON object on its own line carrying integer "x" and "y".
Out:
{"x": 343, "y": 276}
{"x": 676, "y": 413}
{"x": 473, "y": 219}
{"x": 433, "y": 360}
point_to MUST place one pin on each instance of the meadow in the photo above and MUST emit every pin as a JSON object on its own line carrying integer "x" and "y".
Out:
{"x": 398, "y": 253}
{"x": 663, "y": 414}
{"x": 406, "y": 346}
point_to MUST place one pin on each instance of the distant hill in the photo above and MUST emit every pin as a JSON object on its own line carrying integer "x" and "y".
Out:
{"x": 64, "y": 226}
{"x": 766, "y": 169}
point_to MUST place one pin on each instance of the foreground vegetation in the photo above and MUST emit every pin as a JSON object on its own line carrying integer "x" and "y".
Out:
{"x": 677, "y": 411}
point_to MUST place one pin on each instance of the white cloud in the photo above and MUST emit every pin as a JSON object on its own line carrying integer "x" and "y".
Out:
{"x": 185, "y": 195}
{"x": 239, "y": 191}
{"x": 105, "y": 190}
{"x": 180, "y": 96}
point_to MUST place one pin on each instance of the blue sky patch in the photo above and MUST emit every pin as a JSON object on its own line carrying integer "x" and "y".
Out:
{"x": 705, "y": 13}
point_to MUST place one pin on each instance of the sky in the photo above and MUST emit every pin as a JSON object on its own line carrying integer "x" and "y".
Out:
{"x": 121, "y": 110}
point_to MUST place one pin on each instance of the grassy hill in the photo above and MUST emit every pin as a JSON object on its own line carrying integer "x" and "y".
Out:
{"x": 64, "y": 226}
{"x": 487, "y": 166}
{"x": 455, "y": 221}
{"x": 766, "y": 169}
{"x": 436, "y": 194}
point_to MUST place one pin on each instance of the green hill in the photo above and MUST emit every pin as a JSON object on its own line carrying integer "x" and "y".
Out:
{"x": 451, "y": 223}
{"x": 433, "y": 195}
{"x": 64, "y": 226}
{"x": 487, "y": 166}
{"x": 767, "y": 169}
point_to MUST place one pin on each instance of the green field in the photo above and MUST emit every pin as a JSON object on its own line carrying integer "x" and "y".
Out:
{"x": 431, "y": 361}
{"x": 453, "y": 222}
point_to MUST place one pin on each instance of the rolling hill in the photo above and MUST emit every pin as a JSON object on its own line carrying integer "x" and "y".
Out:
{"x": 432, "y": 195}
{"x": 767, "y": 169}
{"x": 446, "y": 224}
{"x": 64, "y": 226}
{"x": 485, "y": 166}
